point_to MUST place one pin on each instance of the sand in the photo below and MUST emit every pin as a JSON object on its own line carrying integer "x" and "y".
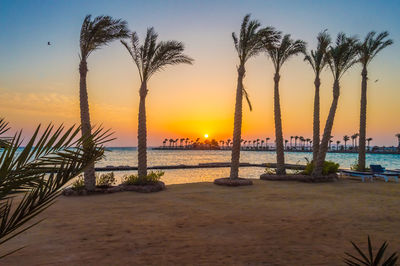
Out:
{"x": 269, "y": 223}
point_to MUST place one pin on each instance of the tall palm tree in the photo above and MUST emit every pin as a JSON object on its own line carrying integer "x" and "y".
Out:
{"x": 94, "y": 35}
{"x": 398, "y": 139}
{"x": 150, "y": 58}
{"x": 316, "y": 58}
{"x": 345, "y": 139}
{"x": 368, "y": 141}
{"x": 247, "y": 44}
{"x": 340, "y": 57}
{"x": 279, "y": 53}
{"x": 367, "y": 51}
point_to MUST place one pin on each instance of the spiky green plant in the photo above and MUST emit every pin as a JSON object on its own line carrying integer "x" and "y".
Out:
{"x": 370, "y": 259}
{"x": 32, "y": 176}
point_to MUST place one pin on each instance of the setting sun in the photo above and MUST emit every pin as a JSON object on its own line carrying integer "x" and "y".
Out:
{"x": 206, "y": 136}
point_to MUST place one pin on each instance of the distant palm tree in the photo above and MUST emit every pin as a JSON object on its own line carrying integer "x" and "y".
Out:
{"x": 368, "y": 141}
{"x": 150, "y": 58}
{"x": 266, "y": 143}
{"x": 291, "y": 138}
{"x": 318, "y": 62}
{"x": 398, "y": 139}
{"x": 308, "y": 141}
{"x": 367, "y": 50}
{"x": 170, "y": 142}
{"x": 286, "y": 142}
{"x": 279, "y": 53}
{"x": 262, "y": 144}
{"x": 94, "y": 35}
{"x": 337, "y": 144}
{"x": 176, "y": 146}
{"x": 340, "y": 58}
{"x": 165, "y": 141}
{"x": 295, "y": 141}
{"x": 186, "y": 142}
{"x": 247, "y": 45}
{"x": 301, "y": 141}
{"x": 258, "y": 142}
{"x": 345, "y": 139}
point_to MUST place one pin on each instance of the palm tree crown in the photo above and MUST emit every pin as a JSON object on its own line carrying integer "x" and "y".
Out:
{"x": 317, "y": 58}
{"x": 280, "y": 52}
{"x": 372, "y": 45}
{"x": 99, "y": 32}
{"x": 343, "y": 55}
{"x": 152, "y": 57}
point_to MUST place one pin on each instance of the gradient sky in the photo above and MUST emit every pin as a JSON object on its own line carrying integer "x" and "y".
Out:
{"x": 40, "y": 83}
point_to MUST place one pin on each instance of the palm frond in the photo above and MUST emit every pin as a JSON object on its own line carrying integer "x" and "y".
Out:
{"x": 317, "y": 58}
{"x": 153, "y": 56}
{"x": 372, "y": 45}
{"x": 246, "y": 95}
{"x": 99, "y": 32}
{"x": 39, "y": 170}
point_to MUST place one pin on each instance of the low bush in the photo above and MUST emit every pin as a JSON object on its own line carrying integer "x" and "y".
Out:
{"x": 151, "y": 178}
{"x": 355, "y": 167}
{"x": 105, "y": 180}
{"x": 79, "y": 183}
{"x": 329, "y": 167}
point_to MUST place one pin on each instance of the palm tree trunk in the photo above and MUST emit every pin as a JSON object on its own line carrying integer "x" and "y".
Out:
{"x": 280, "y": 157}
{"x": 316, "y": 123}
{"x": 142, "y": 133}
{"x": 363, "y": 121}
{"x": 86, "y": 128}
{"x": 237, "y": 129}
{"x": 323, "y": 148}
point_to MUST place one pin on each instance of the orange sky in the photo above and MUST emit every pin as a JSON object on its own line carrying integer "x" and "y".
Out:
{"x": 189, "y": 101}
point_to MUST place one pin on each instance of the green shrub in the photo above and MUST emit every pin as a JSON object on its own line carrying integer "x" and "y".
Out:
{"x": 105, "y": 180}
{"x": 151, "y": 178}
{"x": 79, "y": 183}
{"x": 329, "y": 167}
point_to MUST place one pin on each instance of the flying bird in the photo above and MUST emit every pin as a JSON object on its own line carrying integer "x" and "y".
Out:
{"x": 376, "y": 80}
{"x": 48, "y": 43}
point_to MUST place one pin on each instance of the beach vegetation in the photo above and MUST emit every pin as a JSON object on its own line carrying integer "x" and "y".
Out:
{"x": 150, "y": 58}
{"x": 280, "y": 52}
{"x": 329, "y": 167}
{"x": 151, "y": 178}
{"x": 249, "y": 43}
{"x": 105, "y": 180}
{"x": 341, "y": 56}
{"x": 367, "y": 50}
{"x": 95, "y": 34}
{"x": 368, "y": 258}
{"x": 79, "y": 183}
{"x": 316, "y": 59}
{"x": 32, "y": 176}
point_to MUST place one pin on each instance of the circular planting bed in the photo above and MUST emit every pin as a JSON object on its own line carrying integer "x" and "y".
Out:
{"x": 155, "y": 187}
{"x": 98, "y": 190}
{"x": 300, "y": 178}
{"x": 235, "y": 182}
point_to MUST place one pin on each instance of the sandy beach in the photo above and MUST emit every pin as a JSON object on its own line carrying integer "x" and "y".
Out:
{"x": 269, "y": 223}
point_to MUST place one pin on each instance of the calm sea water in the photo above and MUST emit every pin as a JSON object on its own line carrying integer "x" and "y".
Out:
{"x": 128, "y": 156}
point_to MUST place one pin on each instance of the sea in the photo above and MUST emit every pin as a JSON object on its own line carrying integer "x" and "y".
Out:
{"x": 128, "y": 157}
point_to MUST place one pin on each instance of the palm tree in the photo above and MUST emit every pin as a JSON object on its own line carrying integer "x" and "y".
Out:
{"x": 286, "y": 142}
{"x": 337, "y": 144}
{"x": 94, "y": 35}
{"x": 340, "y": 58}
{"x": 367, "y": 51}
{"x": 170, "y": 142}
{"x": 302, "y": 141}
{"x": 368, "y": 141}
{"x": 295, "y": 141}
{"x": 262, "y": 144}
{"x": 150, "y": 58}
{"x": 266, "y": 143}
{"x": 317, "y": 61}
{"x": 247, "y": 45}
{"x": 345, "y": 139}
{"x": 308, "y": 141}
{"x": 398, "y": 139}
{"x": 279, "y": 53}
{"x": 291, "y": 138}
